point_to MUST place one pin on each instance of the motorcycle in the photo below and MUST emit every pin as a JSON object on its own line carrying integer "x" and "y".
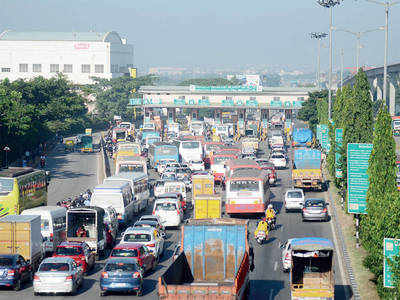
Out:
{"x": 261, "y": 237}
{"x": 271, "y": 223}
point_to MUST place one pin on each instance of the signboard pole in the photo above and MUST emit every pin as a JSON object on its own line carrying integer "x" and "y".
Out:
{"x": 357, "y": 230}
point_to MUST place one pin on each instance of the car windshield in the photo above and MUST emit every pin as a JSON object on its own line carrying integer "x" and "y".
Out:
{"x": 278, "y": 156}
{"x": 166, "y": 150}
{"x": 5, "y": 262}
{"x": 137, "y": 237}
{"x": 244, "y": 186}
{"x": 124, "y": 253}
{"x": 130, "y": 168}
{"x": 294, "y": 195}
{"x": 315, "y": 203}
{"x": 69, "y": 251}
{"x": 166, "y": 206}
{"x": 54, "y": 267}
{"x": 190, "y": 145}
{"x": 120, "y": 267}
{"x": 6, "y": 185}
{"x": 120, "y": 134}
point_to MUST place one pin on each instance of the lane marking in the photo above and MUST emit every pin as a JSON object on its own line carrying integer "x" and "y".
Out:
{"x": 275, "y": 266}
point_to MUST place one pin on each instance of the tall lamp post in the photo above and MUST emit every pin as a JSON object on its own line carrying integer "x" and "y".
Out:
{"x": 318, "y": 36}
{"x": 387, "y": 5}
{"x": 358, "y": 35}
{"x": 6, "y": 149}
{"x": 330, "y": 4}
{"x": 341, "y": 67}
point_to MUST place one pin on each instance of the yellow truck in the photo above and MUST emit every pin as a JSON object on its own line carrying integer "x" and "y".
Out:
{"x": 202, "y": 184}
{"x": 306, "y": 172}
{"x": 207, "y": 207}
{"x": 21, "y": 234}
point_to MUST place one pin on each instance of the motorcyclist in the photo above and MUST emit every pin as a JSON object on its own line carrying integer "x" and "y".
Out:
{"x": 270, "y": 215}
{"x": 262, "y": 226}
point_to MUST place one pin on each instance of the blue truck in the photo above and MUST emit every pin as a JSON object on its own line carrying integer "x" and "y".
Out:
{"x": 306, "y": 172}
{"x": 214, "y": 261}
{"x": 302, "y": 137}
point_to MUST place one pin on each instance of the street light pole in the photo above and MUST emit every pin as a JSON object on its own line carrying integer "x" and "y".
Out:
{"x": 6, "y": 149}
{"x": 330, "y": 4}
{"x": 318, "y": 36}
{"x": 341, "y": 67}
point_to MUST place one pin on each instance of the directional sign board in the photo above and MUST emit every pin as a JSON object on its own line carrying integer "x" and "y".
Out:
{"x": 319, "y": 132}
{"x": 325, "y": 137}
{"x": 390, "y": 250}
{"x": 357, "y": 178}
{"x": 339, "y": 144}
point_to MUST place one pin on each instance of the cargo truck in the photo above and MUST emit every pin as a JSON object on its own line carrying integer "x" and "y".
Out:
{"x": 214, "y": 262}
{"x": 202, "y": 184}
{"x": 22, "y": 235}
{"x": 306, "y": 172}
{"x": 302, "y": 137}
{"x": 312, "y": 272}
{"x": 207, "y": 207}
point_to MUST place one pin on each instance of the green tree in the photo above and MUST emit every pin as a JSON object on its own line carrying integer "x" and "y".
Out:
{"x": 309, "y": 111}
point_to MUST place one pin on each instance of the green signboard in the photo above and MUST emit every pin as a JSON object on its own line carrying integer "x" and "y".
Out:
{"x": 339, "y": 144}
{"x": 390, "y": 250}
{"x": 276, "y": 103}
{"x": 325, "y": 137}
{"x": 357, "y": 178}
{"x": 224, "y": 88}
{"x": 319, "y": 132}
{"x": 135, "y": 101}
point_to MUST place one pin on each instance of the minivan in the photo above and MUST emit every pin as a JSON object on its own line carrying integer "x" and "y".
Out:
{"x": 169, "y": 211}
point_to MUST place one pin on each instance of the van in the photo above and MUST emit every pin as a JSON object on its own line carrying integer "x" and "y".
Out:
{"x": 169, "y": 211}
{"x": 53, "y": 225}
{"x": 115, "y": 194}
{"x": 138, "y": 182}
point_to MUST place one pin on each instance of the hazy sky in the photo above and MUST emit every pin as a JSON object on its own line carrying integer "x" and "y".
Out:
{"x": 218, "y": 32}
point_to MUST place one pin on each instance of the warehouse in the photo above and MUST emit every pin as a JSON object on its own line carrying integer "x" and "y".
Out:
{"x": 78, "y": 55}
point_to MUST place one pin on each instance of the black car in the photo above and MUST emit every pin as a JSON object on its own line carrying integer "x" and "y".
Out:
{"x": 14, "y": 271}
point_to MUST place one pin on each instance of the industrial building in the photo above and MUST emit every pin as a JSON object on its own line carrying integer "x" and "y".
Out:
{"x": 78, "y": 55}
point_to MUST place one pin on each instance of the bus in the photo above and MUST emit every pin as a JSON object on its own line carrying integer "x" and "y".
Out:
{"x": 247, "y": 192}
{"x": 22, "y": 188}
{"x": 159, "y": 152}
{"x": 240, "y": 164}
{"x": 119, "y": 134}
{"x": 86, "y": 143}
{"x": 130, "y": 164}
{"x": 190, "y": 150}
{"x": 150, "y": 139}
{"x": 209, "y": 149}
{"x": 129, "y": 148}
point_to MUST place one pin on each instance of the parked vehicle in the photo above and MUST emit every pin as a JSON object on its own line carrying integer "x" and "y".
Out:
{"x": 146, "y": 260}
{"x": 306, "y": 172}
{"x": 310, "y": 262}
{"x": 79, "y": 251}
{"x": 207, "y": 206}
{"x": 315, "y": 209}
{"x": 53, "y": 225}
{"x": 57, "y": 275}
{"x": 169, "y": 211}
{"x": 294, "y": 199}
{"x": 121, "y": 275}
{"x": 15, "y": 271}
{"x": 147, "y": 236}
{"x": 86, "y": 224}
{"x": 194, "y": 271}
{"x": 22, "y": 235}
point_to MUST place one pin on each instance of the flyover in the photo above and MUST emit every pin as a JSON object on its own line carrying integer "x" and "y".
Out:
{"x": 375, "y": 79}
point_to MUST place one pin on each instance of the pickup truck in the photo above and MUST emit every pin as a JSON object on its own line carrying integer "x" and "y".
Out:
{"x": 306, "y": 172}
{"x": 214, "y": 262}
{"x": 22, "y": 235}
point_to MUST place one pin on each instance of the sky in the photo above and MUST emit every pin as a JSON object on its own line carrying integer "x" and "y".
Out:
{"x": 218, "y": 33}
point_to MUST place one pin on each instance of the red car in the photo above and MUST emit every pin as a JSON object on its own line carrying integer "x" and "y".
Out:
{"x": 79, "y": 252}
{"x": 138, "y": 251}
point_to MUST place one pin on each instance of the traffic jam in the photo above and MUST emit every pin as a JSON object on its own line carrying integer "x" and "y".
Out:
{"x": 204, "y": 180}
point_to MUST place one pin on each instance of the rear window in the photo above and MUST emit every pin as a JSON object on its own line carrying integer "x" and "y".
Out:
{"x": 5, "y": 262}
{"x": 315, "y": 203}
{"x": 120, "y": 267}
{"x": 166, "y": 206}
{"x": 6, "y": 185}
{"x": 137, "y": 237}
{"x": 69, "y": 251}
{"x": 294, "y": 195}
{"x": 124, "y": 253}
{"x": 54, "y": 267}
{"x": 279, "y": 156}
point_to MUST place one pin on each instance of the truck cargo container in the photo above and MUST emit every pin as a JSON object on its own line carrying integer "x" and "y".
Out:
{"x": 214, "y": 263}
{"x": 207, "y": 207}
{"x": 302, "y": 137}
{"x": 202, "y": 184}
{"x": 22, "y": 235}
{"x": 306, "y": 172}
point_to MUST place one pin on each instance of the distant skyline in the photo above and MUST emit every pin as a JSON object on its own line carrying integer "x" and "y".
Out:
{"x": 219, "y": 33}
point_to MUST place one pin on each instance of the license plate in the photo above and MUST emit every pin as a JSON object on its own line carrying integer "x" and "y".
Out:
{"x": 118, "y": 284}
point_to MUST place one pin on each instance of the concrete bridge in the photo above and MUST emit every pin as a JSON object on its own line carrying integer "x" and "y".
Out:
{"x": 375, "y": 79}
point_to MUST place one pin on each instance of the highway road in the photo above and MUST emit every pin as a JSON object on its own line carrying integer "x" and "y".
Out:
{"x": 74, "y": 172}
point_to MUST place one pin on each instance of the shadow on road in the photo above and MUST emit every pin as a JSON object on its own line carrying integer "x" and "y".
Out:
{"x": 342, "y": 290}
{"x": 268, "y": 288}
{"x": 149, "y": 285}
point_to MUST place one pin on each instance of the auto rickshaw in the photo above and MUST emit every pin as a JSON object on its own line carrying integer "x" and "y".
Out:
{"x": 69, "y": 145}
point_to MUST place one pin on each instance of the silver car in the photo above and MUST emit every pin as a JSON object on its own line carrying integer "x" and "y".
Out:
{"x": 315, "y": 209}
{"x": 57, "y": 275}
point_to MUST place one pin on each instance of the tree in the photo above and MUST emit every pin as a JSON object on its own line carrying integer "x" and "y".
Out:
{"x": 309, "y": 111}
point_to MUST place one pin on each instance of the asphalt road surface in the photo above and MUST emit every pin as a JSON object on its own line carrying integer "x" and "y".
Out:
{"x": 73, "y": 173}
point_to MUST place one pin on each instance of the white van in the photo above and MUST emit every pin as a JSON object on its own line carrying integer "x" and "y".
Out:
{"x": 53, "y": 225}
{"x": 117, "y": 195}
{"x": 138, "y": 182}
{"x": 169, "y": 211}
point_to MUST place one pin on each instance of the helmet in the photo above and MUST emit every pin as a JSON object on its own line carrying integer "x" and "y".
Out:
{"x": 270, "y": 206}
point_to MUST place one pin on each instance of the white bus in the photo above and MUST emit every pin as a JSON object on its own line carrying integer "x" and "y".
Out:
{"x": 190, "y": 150}
{"x": 53, "y": 225}
{"x": 247, "y": 192}
{"x": 138, "y": 182}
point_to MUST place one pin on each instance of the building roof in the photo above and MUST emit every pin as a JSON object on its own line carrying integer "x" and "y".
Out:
{"x": 11, "y": 35}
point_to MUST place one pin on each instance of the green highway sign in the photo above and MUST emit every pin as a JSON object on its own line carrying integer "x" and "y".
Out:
{"x": 339, "y": 144}
{"x": 324, "y": 137}
{"x": 390, "y": 250}
{"x": 357, "y": 178}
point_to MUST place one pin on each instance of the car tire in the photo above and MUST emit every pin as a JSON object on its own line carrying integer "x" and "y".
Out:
{"x": 139, "y": 293}
{"x": 17, "y": 285}
{"x": 35, "y": 294}
{"x": 103, "y": 293}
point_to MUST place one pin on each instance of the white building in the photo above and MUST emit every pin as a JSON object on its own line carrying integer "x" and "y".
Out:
{"x": 78, "y": 55}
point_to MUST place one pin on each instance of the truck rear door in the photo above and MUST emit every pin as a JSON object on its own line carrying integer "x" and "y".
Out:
{"x": 6, "y": 238}
{"x": 22, "y": 236}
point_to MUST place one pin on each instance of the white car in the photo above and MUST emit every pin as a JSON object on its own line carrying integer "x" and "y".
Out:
{"x": 294, "y": 199}
{"x": 169, "y": 211}
{"x": 287, "y": 255}
{"x": 159, "y": 188}
{"x": 147, "y": 236}
{"x": 196, "y": 165}
{"x": 278, "y": 160}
